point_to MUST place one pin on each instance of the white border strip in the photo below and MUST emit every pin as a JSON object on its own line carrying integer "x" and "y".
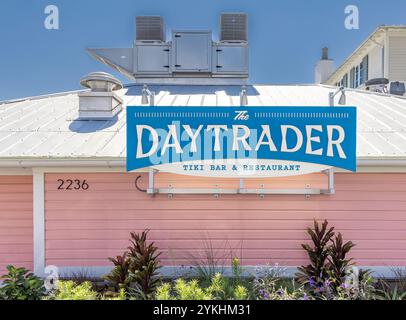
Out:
{"x": 39, "y": 221}
{"x": 382, "y": 272}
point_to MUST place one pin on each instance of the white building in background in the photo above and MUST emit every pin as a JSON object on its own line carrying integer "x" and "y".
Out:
{"x": 380, "y": 58}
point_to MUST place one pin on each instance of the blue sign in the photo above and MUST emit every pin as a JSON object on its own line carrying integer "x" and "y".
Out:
{"x": 158, "y": 136}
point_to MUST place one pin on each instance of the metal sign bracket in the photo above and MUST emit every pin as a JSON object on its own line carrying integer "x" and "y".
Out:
{"x": 217, "y": 191}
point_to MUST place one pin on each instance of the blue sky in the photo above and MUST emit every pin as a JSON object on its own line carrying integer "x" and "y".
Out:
{"x": 286, "y": 36}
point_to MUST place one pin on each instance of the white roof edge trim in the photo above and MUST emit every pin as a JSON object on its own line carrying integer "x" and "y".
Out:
{"x": 34, "y": 163}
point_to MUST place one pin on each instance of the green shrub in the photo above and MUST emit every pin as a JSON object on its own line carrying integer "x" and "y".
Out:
{"x": 240, "y": 293}
{"x": 191, "y": 290}
{"x": 163, "y": 292}
{"x": 182, "y": 290}
{"x": 269, "y": 285}
{"x": 136, "y": 270}
{"x": 236, "y": 268}
{"x": 120, "y": 296}
{"x": 119, "y": 276}
{"x": 281, "y": 293}
{"x": 21, "y": 284}
{"x": 225, "y": 288}
{"x": 329, "y": 274}
{"x": 359, "y": 285}
{"x": 69, "y": 290}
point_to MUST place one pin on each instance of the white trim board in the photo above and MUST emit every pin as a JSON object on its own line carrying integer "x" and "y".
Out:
{"x": 39, "y": 221}
{"x": 15, "y": 172}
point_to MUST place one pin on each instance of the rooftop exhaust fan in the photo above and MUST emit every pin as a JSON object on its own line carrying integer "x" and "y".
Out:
{"x": 101, "y": 82}
{"x": 234, "y": 27}
{"x": 149, "y": 28}
{"x": 101, "y": 102}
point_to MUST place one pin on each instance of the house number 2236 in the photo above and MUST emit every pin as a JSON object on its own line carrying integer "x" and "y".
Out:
{"x": 70, "y": 184}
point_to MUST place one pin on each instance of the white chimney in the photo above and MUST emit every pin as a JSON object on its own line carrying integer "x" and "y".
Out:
{"x": 324, "y": 68}
{"x": 101, "y": 103}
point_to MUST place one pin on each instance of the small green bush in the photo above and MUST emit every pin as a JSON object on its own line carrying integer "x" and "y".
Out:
{"x": 268, "y": 284}
{"x": 21, "y": 284}
{"x": 240, "y": 293}
{"x": 182, "y": 290}
{"x": 359, "y": 285}
{"x": 164, "y": 292}
{"x": 191, "y": 290}
{"x": 120, "y": 296}
{"x": 69, "y": 290}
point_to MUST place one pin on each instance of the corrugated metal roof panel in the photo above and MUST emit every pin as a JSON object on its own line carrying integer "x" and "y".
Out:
{"x": 47, "y": 127}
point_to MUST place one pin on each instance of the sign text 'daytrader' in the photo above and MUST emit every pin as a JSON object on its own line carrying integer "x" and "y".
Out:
{"x": 229, "y": 141}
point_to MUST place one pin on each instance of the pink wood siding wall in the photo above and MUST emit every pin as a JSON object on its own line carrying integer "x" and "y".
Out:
{"x": 16, "y": 222}
{"x": 83, "y": 228}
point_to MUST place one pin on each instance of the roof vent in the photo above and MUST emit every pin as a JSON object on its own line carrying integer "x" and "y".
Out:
{"x": 324, "y": 67}
{"x": 233, "y": 27}
{"x": 100, "y": 103}
{"x": 149, "y": 28}
{"x": 324, "y": 54}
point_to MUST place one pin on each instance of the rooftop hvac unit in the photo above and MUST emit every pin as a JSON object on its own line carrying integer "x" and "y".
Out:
{"x": 233, "y": 27}
{"x": 189, "y": 54}
{"x": 149, "y": 28}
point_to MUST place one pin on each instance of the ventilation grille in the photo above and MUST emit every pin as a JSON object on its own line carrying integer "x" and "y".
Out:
{"x": 149, "y": 28}
{"x": 233, "y": 27}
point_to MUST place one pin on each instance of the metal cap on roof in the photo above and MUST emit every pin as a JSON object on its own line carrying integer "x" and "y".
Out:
{"x": 101, "y": 82}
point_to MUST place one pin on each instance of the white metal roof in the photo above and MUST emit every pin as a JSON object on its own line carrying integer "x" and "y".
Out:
{"x": 46, "y": 128}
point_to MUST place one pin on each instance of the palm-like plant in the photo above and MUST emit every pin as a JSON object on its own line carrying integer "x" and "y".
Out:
{"x": 119, "y": 275}
{"x": 338, "y": 263}
{"x": 316, "y": 272}
{"x": 143, "y": 264}
{"x": 136, "y": 271}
